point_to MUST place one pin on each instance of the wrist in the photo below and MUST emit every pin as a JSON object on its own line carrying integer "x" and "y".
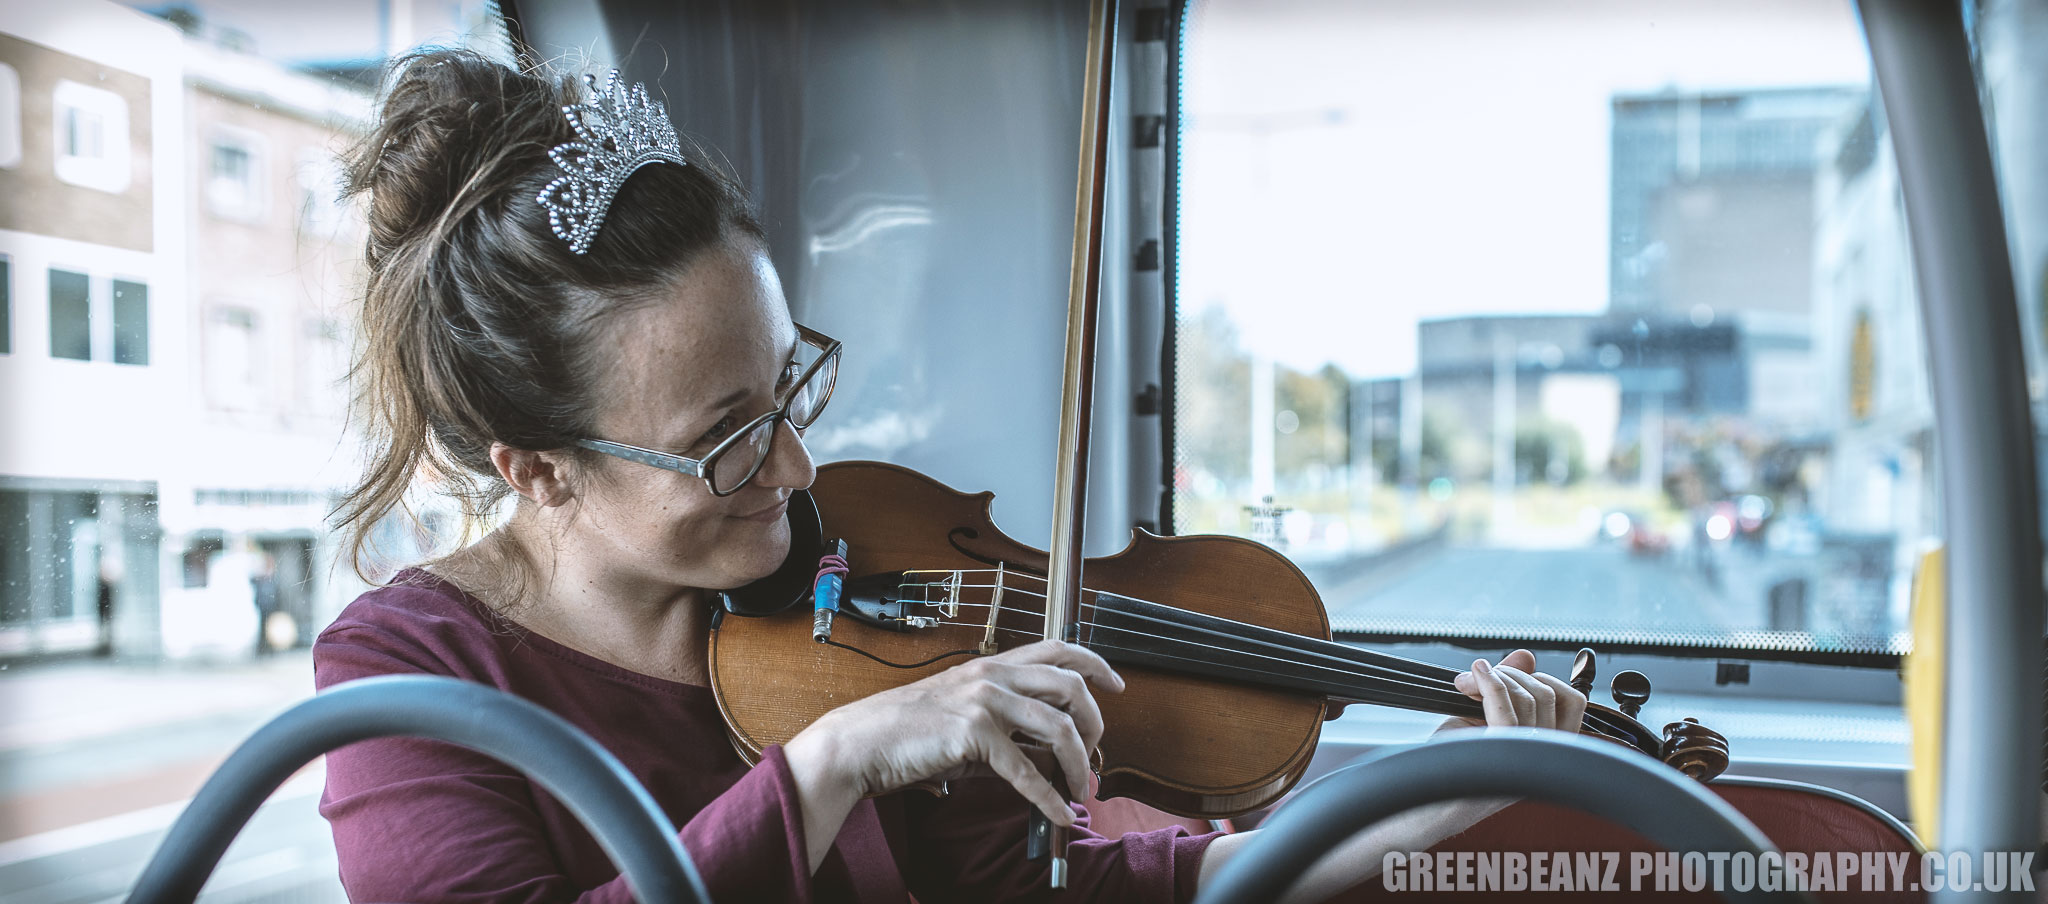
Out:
{"x": 818, "y": 765}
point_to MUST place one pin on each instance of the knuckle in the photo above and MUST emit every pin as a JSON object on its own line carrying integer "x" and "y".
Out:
{"x": 983, "y": 693}
{"x": 1076, "y": 683}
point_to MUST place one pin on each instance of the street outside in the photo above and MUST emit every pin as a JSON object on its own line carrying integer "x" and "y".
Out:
{"x": 97, "y": 758}
{"x": 1586, "y": 590}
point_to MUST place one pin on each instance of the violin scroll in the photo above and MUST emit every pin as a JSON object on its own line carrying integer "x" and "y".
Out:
{"x": 1687, "y": 746}
{"x": 1694, "y": 749}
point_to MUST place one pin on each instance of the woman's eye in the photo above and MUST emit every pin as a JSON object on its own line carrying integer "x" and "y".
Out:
{"x": 719, "y": 430}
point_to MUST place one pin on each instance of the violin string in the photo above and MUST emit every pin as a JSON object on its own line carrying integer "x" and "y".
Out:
{"x": 1464, "y": 705}
{"x": 1433, "y": 680}
{"x": 1094, "y": 643}
{"x": 1426, "y": 679}
{"x": 1422, "y": 669}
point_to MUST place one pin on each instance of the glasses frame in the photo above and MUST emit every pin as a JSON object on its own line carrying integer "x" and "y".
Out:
{"x": 829, "y": 350}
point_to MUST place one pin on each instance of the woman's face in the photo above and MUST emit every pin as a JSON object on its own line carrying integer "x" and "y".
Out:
{"x": 684, "y": 373}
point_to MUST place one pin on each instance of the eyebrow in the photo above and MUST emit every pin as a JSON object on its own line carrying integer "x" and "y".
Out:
{"x": 734, "y": 398}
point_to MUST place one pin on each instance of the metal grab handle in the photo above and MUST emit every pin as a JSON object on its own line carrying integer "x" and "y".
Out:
{"x": 1596, "y": 777}
{"x": 558, "y": 756}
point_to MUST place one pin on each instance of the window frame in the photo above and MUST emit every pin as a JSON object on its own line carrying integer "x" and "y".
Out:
{"x": 10, "y": 117}
{"x": 254, "y": 204}
{"x": 112, "y": 170}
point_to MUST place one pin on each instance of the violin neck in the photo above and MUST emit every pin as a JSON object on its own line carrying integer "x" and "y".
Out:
{"x": 1127, "y": 631}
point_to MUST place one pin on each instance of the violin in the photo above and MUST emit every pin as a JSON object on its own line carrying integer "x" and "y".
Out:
{"x": 1223, "y": 644}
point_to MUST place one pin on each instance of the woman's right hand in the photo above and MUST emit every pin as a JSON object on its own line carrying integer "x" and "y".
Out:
{"x": 967, "y": 720}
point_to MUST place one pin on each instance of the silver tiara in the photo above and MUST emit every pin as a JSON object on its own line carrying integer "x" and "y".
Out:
{"x": 618, "y": 131}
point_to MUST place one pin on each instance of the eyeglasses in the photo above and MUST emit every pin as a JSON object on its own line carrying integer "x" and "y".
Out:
{"x": 736, "y": 459}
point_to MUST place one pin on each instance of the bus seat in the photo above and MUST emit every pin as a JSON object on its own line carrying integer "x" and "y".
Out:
{"x": 1798, "y": 816}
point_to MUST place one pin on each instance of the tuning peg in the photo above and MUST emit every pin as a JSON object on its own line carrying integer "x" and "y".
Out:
{"x": 1583, "y": 671}
{"x": 1631, "y": 689}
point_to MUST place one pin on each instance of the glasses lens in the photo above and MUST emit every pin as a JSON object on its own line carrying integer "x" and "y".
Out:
{"x": 737, "y": 464}
{"x": 809, "y": 399}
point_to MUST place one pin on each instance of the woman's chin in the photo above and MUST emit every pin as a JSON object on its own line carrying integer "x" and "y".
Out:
{"x": 760, "y": 553}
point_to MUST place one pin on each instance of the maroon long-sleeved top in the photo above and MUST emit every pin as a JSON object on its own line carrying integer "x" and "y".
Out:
{"x": 426, "y": 821}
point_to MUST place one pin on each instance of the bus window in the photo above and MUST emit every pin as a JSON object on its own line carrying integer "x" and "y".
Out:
{"x": 1574, "y": 327}
{"x": 177, "y": 276}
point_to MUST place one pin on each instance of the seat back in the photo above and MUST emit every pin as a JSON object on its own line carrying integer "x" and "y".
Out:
{"x": 1797, "y": 816}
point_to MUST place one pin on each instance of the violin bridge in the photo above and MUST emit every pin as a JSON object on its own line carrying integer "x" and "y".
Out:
{"x": 951, "y": 604}
{"x": 995, "y": 609}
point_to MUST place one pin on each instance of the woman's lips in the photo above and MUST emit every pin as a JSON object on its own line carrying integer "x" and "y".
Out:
{"x": 770, "y": 514}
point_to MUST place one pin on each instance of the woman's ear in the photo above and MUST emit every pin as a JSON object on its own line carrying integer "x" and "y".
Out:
{"x": 539, "y": 476}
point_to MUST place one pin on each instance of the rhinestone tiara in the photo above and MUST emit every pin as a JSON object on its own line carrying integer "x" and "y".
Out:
{"x": 618, "y": 131}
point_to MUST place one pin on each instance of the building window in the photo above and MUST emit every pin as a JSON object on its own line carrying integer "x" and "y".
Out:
{"x": 198, "y": 557}
{"x": 52, "y": 551}
{"x": 6, "y": 306}
{"x": 91, "y": 129}
{"x": 322, "y": 211}
{"x": 233, "y": 364}
{"x": 324, "y": 368}
{"x": 70, "y": 315}
{"x": 10, "y": 117}
{"x": 235, "y": 175}
{"x": 131, "y": 322}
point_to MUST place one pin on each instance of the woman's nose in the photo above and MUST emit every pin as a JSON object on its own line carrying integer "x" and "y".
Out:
{"x": 789, "y": 463}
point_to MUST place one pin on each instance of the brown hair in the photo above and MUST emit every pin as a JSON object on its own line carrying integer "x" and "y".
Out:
{"x": 477, "y": 323}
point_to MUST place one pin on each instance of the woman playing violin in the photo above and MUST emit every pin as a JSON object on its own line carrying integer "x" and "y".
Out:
{"x": 624, "y": 368}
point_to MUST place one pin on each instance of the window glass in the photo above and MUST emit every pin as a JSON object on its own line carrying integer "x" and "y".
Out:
{"x": 326, "y": 367}
{"x": 92, "y": 137}
{"x": 322, "y": 212}
{"x": 2012, "y": 60}
{"x": 234, "y": 359}
{"x": 1622, "y": 349}
{"x": 10, "y": 117}
{"x": 6, "y": 306}
{"x": 131, "y": 322}
{"x": 165, "y": 556}
{"x": 70, "y": 315}
{"x": 234, "y": 184}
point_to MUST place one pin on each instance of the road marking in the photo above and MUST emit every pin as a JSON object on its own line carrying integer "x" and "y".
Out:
{"x": 306, "y": 783}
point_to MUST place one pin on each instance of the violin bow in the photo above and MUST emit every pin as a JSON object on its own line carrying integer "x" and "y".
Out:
{"x": 1084, "y": 292}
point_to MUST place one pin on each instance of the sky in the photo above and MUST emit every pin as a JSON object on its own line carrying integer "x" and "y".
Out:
{"x": 1353, "y": 166}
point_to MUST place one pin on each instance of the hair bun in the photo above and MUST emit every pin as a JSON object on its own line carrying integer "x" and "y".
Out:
{"x": 452, "y": 123}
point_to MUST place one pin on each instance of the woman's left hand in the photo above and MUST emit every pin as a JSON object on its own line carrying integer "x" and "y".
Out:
{"x": 1513, "y": 693}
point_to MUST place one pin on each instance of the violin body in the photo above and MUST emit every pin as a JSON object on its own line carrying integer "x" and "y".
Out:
{"x": 1192, "y": 746}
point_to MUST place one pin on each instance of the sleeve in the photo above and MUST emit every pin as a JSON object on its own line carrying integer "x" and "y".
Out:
{"x": 969, "y": 846}
{"x": 417, "y": 820}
